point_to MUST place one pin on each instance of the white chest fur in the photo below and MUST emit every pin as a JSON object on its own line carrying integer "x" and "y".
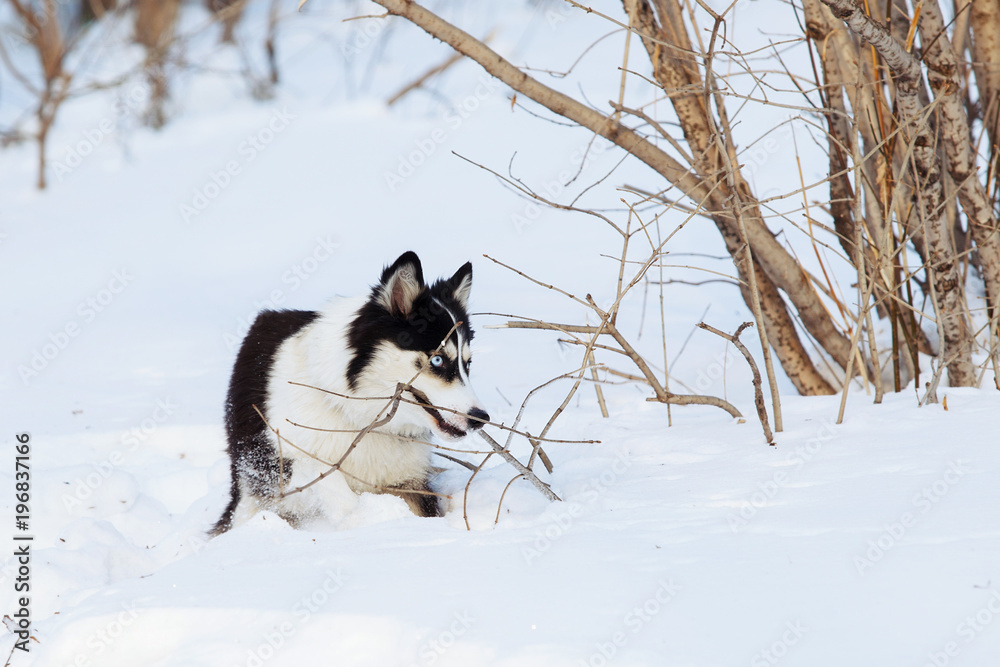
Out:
{"x": 321, "y": 425}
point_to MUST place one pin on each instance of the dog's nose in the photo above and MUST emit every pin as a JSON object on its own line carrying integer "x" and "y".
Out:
{"x": 477, "y": 417}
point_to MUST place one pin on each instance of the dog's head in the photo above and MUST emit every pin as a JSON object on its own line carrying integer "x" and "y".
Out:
{"x": 407, "y": 329}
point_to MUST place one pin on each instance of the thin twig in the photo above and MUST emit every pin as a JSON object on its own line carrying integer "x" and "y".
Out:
{"x": 504, "y": 495}
{"x": 401, "y": 399}
{"x": 455, "y": 459}
{"x": 400, "y": 387}
{"x": 376, "y": 487}
{"x": 758, "y": 392}
{"x": 509, "y": 458}
{"x": 465, "y": 498}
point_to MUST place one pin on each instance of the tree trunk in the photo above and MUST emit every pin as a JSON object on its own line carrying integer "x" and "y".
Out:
{"x": 942, "y": 267}
{"x": 985, "y": 22}
{"x": 775, "y": 263}
{"x": 676, "y": 70}
{"x": 942, "y": 73}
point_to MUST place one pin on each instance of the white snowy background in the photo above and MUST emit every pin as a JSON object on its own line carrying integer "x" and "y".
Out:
{"x": 128, "y": 283}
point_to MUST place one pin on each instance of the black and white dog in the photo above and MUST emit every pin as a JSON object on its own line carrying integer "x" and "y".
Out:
{"x": 359, "y": 348}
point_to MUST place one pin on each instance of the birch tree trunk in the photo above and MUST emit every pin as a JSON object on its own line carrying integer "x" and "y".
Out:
{"x": 942, "y": 74}
{"x": 947, "y": 289}
{"x": 985, "y": 23}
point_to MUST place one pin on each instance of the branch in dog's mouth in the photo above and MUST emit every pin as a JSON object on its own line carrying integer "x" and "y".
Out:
{"x": 425, "y": 403}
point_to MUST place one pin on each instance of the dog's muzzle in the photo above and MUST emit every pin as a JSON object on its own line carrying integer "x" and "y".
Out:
{"x": 473, "y": 420}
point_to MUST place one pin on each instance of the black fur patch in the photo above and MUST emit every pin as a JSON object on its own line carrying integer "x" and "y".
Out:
{"x": 423, "y": 330}
{"x": 421, "y": 503}
{"x": 252, "y": 456}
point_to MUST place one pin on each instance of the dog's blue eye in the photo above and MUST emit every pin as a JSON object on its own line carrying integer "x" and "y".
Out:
{"x": 437, "y": 361}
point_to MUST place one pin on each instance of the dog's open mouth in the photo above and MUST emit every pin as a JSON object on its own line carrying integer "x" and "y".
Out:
{"x": 443, "y": 425}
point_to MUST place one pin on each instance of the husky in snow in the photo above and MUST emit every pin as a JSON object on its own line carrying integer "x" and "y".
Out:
{"x": 357, "y": 348}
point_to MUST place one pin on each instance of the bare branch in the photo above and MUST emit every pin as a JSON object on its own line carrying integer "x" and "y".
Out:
{"x": 520, "y": 467}
{"x": 758, "y": 393}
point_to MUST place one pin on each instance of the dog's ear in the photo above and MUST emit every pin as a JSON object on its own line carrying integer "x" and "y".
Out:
{"x": 401, "y": 284}
{"x": 461, "y": 284}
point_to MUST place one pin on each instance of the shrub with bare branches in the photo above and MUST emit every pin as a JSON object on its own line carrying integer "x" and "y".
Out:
{"x": 43, "y": 28}
{"x": 899, "y": 158}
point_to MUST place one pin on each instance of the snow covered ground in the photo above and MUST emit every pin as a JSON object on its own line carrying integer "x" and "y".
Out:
{"x": 126, "y": 289}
